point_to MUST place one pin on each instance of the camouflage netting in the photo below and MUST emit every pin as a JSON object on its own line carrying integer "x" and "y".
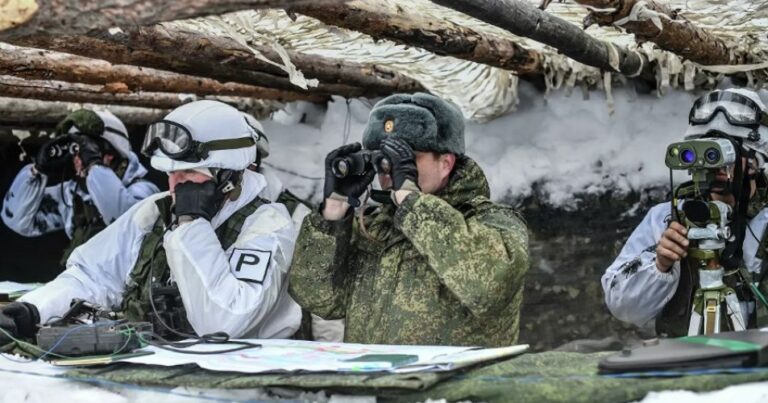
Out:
{"x": 544, "y": 377}
{"x": 485, "y": 92}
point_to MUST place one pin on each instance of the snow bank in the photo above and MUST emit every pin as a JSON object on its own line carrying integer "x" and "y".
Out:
{"x": 561, "y": 145}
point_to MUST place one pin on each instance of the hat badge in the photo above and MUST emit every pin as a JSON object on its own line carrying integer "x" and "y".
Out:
{"x": 389, "y": 126}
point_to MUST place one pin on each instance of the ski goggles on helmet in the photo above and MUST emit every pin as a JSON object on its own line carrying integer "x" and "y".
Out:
{"x": 738, "y": 110}
{"x": 175, "y": 141}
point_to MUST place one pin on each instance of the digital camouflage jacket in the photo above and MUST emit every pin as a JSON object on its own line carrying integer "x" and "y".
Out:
{"x": 444, "y": 269}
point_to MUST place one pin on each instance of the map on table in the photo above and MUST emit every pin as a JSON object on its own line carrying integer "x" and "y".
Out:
{"x": 14, "y": 290}
{"x": 308, "y": 356}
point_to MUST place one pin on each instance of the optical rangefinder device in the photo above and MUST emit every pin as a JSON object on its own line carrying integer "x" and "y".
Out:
{"x": 700, "y": 154}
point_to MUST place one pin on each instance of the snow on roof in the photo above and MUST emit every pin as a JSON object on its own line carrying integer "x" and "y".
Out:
{"x": 484, "y": 92}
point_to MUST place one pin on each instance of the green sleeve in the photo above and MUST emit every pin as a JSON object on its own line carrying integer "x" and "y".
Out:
{"x": 482, "y": 259}
{"x": 318, "y": 262}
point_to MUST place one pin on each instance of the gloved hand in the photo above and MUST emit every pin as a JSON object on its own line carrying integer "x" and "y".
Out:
{"x": 54, "y": 155}
{"x": 88, "y": 151}
{"x": 404, "y": 174}
{"x": 351, "y": 187}
{"x": 197, "y": 200}
{"x": 19, "y": 319}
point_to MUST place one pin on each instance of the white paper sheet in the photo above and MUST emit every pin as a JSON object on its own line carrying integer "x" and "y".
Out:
{"x": 306, "y": 356}
{"x": 12, "y": 287}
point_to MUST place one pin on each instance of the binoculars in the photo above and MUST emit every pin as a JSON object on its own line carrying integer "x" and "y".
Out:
{"x": 701, "y": 154}
{"x": 360, "y": 162}
{"x": 61, "y": 147}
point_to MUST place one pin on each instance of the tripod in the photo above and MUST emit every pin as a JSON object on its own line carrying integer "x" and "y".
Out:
{"x": 711, "y": 296}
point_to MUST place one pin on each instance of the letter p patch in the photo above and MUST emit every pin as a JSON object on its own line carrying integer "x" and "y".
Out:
{"x": 250, "y": 264}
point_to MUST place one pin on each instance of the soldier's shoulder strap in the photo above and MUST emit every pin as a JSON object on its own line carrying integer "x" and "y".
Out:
{"x": 228, "y": 231}
{"x": 291, "y": 201}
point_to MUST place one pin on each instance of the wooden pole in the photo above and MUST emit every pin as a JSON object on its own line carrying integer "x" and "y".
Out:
{"x": 47, "y": 65}
{"x": 524, "y": 19}
{"x": 224, "y": 59}
{"x": 675, "y": 34}
{"x": 57, "y": 17}
{"x": 48, "y": 90}
{"x": 17, "y": 111}
{"x": 437, "y": 36}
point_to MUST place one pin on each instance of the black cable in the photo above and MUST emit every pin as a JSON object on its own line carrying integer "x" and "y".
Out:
{"x": 180, "y": 347}
{"x": 749, "y": 227}
{"x": 212, "y": 338}
{"x": 157, "y": 246}
{"x": 347, "y": 123}
{"x": 672, "y": 189}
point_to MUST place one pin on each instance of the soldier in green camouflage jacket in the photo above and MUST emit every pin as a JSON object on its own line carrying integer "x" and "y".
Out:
{"x": 438, "y": 265}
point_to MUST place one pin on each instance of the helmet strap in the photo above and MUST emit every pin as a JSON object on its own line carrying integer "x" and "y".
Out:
{"x": 228, "y": 182}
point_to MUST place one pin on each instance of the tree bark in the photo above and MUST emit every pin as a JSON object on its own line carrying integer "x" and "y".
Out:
{"x": 14, "y": 87}
{"x": 524, "y": 19}
{"x": 439, "y": 37}
{"x": 677, "y": 35}
{"x": 225, "y": 60}
{"x": 59, "y": 17}
{"x": 39, "y": 64}
{"x": 34, "y": 112}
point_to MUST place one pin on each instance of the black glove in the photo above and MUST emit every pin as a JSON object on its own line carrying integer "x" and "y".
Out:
{"x": 350, "y": 188}
{"x": 88, "y": 151}
{"x": 19, "y": 319}
{"x": 404, "y": 173}
{"x": 55, "y": 155}
{"x": 197, "y": 199}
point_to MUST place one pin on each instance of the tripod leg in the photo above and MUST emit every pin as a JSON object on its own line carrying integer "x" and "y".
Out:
{"x": 711, "y": 319}
{"x": 734, "y": 312}
{"x": 718, "y": 314}
{"x": 694, "y": 327}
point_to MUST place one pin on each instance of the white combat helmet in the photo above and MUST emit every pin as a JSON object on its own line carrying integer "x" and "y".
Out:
{"x": 739, "y": 113}
{"x": 201, "y": 134}
{"x": 262, "y": 144}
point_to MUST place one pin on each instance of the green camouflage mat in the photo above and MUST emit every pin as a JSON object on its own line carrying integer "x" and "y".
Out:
{"x": 543, "y": 377}
{"x": 193, "y": 376}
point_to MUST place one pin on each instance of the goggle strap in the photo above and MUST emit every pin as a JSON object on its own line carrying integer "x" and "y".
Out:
{"x": 720, "y": 96}
{"x": 118, "y": 132}
{"x": 227, "y": 144}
